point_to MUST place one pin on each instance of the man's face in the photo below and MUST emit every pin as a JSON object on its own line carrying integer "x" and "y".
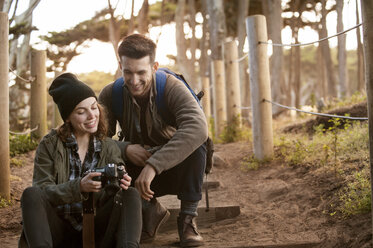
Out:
{"x": 137, "y": 74}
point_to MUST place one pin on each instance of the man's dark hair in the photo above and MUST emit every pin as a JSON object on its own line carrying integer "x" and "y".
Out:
{"x": 137, "y": 46}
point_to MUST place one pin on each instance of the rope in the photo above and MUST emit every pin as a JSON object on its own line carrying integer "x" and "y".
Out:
{"x": 25, "y": 132}
{"x": 320, "y": 114}
{"x": 242, "y": 58}
{"x": 244, "y": 107}
{"x": 26, "y": 80}
{"x": 309, "y": 43}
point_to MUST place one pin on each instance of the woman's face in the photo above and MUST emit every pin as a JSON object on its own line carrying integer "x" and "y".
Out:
{"x": 84, "y": 118}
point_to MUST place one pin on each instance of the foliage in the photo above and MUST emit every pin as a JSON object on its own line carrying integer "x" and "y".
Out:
{"x": 97, "y": 80}
{"x": 14, "y": 162}
{"x": 356, "y": 196}
{"x": 4, "y": 203}
{"x": 235, "y": 131}
{"x": 357, "y": 97}
{"x": 252, "y": 163}
{"x": 342, "y": 148}
{"x": 21, "y": 144}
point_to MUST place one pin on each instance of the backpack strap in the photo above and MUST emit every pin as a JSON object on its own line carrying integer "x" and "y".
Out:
{"x": 160, "y": 83}
{"x": 117, "y": 99}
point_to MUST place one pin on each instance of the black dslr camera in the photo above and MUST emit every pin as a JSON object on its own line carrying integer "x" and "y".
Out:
{"x": 110, "y": 176}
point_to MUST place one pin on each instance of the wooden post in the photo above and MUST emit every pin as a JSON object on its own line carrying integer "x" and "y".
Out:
{"x": 233, "y": 83}
{"x": 39, "y": 93}
{"x": 219, "y": 96}
{"x": 4, "y": 107}
{"x": 256, "y": 28}
{"x": 367, "y": 9}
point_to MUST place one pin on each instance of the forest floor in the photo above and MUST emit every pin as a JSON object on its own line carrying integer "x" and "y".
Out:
{"x": 280, "y": 206}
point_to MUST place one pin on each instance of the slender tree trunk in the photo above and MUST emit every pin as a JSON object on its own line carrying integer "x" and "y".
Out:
{"x": 367, "y": 13}
{"x": 274, "y": 33}
{"x": 360, "y": 56}
{"x": 193, "y": 46}
{"x": 243, "y": 9}
{"x": 332, "y": 92}
{"x": 131, "y": 24}
{"x": 181, "y": 58}
{"x": 114, "y": 36}
{"x": 143, "y": 18}
{"x": 217, "y": 35}
{"x": 297, "y": 76}
{"x": 343, "y": 89}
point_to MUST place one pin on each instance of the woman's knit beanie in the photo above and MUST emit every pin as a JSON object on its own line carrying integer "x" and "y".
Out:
{"x": 67, "y": 92}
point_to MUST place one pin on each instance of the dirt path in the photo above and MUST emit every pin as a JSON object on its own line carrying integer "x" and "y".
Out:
{"x": 280, "y": 205}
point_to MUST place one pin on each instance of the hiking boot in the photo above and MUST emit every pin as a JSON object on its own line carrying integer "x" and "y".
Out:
{"x": 153, "y": 217}
{"x": 188, "y": 234}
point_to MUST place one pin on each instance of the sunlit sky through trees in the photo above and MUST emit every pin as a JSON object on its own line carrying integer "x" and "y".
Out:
{"x": 57, "y": 15}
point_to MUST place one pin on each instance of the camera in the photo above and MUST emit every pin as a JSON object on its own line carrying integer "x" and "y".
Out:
{"x": 110, "y": 177}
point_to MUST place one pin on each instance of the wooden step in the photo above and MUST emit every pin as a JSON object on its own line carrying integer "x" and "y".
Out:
{"x": 204, "y": 217}
{"x": 210, "y": 185}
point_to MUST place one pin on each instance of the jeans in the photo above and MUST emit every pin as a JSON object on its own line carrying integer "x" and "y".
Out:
{"x": 43, "y": 227}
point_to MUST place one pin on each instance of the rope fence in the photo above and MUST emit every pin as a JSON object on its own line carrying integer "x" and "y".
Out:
{"x": 314, "y": 113}
{"x": 310, "y": 43}
{"x": 300, "y": 44}
{"x": 25, "y": 132}
{"x": 18, "y": 76}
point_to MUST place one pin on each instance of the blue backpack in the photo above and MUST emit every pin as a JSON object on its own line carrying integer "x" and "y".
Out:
{"x": 163, "y": 111}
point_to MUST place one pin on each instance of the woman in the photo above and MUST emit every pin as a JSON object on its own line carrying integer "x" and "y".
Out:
{"x": 64, "y": 180}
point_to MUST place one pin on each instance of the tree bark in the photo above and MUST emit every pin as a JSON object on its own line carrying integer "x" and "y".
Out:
{"x": 360, "y": 86}
{"x": 243, "y": 9}
{"x": 143, "y": 18}
{"x": 217, "y": 28}
{"x": 114, "y": 36}
{"x": 131, "y": 24}
{"x": 332, "y": 92}
{"x": 367, "y": 11}
{"x": 274, "y": 33}
{"x": 343, "y": 89}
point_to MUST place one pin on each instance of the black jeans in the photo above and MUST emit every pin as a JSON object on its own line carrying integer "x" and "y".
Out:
{"x": 184, "y": 180}
{"x": 43, "y": 227}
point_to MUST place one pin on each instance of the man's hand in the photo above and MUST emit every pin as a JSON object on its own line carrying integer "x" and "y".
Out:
{"x": 137, "y": 154}
{"x": 87, "y": 184}
{"x": 125, "y": 182}
{"x": 144, "y": 180}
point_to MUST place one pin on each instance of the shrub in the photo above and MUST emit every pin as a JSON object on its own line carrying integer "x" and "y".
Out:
{"x": 21, "y": 144}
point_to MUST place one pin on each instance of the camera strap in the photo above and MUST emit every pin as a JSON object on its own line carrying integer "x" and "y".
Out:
{"x": 88, "y": 222}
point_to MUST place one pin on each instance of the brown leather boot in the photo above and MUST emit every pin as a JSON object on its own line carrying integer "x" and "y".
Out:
{"x": 152, "y": 218}
{"x": 187, "y": 227}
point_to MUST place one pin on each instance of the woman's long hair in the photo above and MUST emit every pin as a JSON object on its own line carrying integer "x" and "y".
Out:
{"x": 64, "y": 131}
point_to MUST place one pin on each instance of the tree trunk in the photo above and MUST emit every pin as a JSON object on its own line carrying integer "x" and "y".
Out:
{"x": 217, "y": 28}
{"x": 360, "y": 86}
{"x": 193, "y": 46}
{"x": 217, "y": 35}
{"x": 243, "y": 9}
{"x": 143, "y": 18}
{"x": 343, "y": 89}
{"x": 131, "y": 24}
{"x": 114, "y": 36}
{"x": 297, "y": 74}
{"x": 274, "y": 33}
{"x": 367, "y": 9}
{"x": 332, "y": 92}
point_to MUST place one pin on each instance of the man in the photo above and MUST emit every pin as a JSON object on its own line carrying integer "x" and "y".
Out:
{"x": 178, "y": 166}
